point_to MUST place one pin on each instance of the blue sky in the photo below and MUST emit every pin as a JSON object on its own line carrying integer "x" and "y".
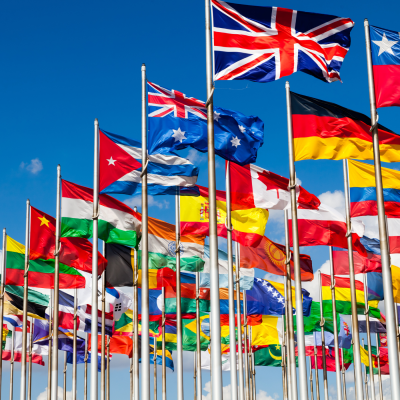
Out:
{"x": 66, "y": 63}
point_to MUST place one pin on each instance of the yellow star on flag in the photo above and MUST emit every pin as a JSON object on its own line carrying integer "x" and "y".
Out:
{"x": 44, "y": 221}
{"x": 277, "y": 347}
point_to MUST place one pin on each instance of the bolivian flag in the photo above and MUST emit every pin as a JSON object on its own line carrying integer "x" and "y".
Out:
{"x": 343, "y": 297}
{"x": 248, "y": 225}
{"x": 323, "y": 130}
{"x": 40, "y": 273}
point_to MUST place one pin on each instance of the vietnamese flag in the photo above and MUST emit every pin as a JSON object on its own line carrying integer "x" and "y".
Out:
{"x": 74, "y": 252}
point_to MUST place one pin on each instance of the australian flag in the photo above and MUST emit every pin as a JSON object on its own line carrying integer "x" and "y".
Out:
{"x": 177, "y": 122}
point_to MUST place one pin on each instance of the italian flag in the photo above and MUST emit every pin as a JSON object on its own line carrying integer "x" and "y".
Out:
{"x": 117, "y": 222}
{"x": 162, "y": 246}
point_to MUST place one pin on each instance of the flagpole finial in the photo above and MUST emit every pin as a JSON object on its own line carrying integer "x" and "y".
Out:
{"x": 28, "y": 202}
{"x": 366, "y": 23}
{"x": 143, "y": 67}
{"x": 96, "y": 121}
{"x": 287, "y": 85}
{"x": 4, "y": 231}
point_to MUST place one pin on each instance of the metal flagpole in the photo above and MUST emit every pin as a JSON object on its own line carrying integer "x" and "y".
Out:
{"x": 3, "y": 279}
{"x": 391, "y": 329}
{"x": 344, "y": 378}
{"x": 283, "y": 362}
{"x": 231, "y": 289}
{"x": 254, "y": 370}
{"x": 286, "y": 330}
{"x": 239, "y": 324}
{"x": 155, "y": 367}
{"x": 194, "y": 376}
{"x": 335, "y": 328}
{"x": 179, "y": 344}
{"x": 135, "y": 326}
{"x": 246, "y": 353}
{"x": 164, "y": 366}
{"x": 371, "y": 374}
{"x": 25, "y": 307}
{"x": 50, "y": 347}
{"x": 30, "y": 361}
{"x": 131, "y": 369}
{"x": 311, "y": 381}
{"x": 322, "y": 325}
{"x": 365, "y": 376}
{"x": 316, "y": 372}
{"x": 108, "y": 368}
{"x": 301, "y": 348}
{"x": 356, "y": 355}
{"x": 85, "y": 380}
{"x": 378, "y": 356}
{"x": 103, "y": 334}
{"x": 198, "y": 344}
{"x": 65, "y": 377}
{"x": 12, "y": 364}
{"x": 213, "y": 238}
{"x": 292, "y": 370}
{"x": 54, "y": 351}
{"x": 74, "y": 364}
{"x": 95, "y": 306}
{"x": 145, "y": 357}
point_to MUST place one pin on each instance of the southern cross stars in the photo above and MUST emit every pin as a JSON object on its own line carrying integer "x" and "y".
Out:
{"x": 217, "y": 116}
{"x": 235, "y": 141}
{"x": 111, "y": 161}
{"x": 178, "y": 135}
{"x": 242, "y": 128}
{"x": 385, "y": 45}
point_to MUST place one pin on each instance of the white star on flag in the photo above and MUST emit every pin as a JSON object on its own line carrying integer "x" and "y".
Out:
{"x": 111, "y": 161}
{"x": 178, "y": 135}
{"x": 235, "y": 141}
{"x": 217, "y": 116}
{"x": 280, "y": 300}
{"x": 275, "y": 294}
{"x": 385, "y": 45}
{"x": 242, "y": 128}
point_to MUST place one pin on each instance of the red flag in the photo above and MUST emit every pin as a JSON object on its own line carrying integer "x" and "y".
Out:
{"x": 118, "y": 345}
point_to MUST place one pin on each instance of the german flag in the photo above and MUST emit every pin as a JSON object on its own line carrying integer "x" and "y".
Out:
{"x": 323, "y": 130}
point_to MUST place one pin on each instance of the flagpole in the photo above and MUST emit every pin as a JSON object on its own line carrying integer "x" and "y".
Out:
{"x": 12, "y": 364}
{"x": 135, "y": 325}
{"x": 213, "y": 235}
{"x": 108, "y": 368}
{"x": 85, "y": 380}
{"x": 344, "y": 378}
{"x": 322, "y": 323}
{"x": 103, "y": 334}
{"x": 198, "y": 344}
{"x": 292, "y": 370}
{"x": 354, "y": 318}
{"x": 246, "y": 353}
{"x": 145, "y": 356}
{"x": 155, "y": 367}
{"x": 301, "y": 348}
{"x": 231, "y": 289}
{"x": 74, "y": 365}
{"x": 50, "y": 347}
{"x": 383, "y": 234}
{"x": 179, "y": 344}
{"x": 194, "y": 376}
{"x": 369, "y": 338}
{"x": 164, "y": 366}
{"x": 283, "y": 362}
{"x": 57, "y": 248}
{"x": 239, "y": 324}
{"x": 316, "y": 371}
{"x": 335, "y": 328}
{"x": 25, "y": 307}
{"x": 65, "y": 377}
{"x": 252, "y": 365}
{"x": 131, "y": 368}
{"x": 311, "y": 381}
{"x": 378, "y": 356}
{"x": 365, "y": 375}
{"x": 3, "y": 279}
{"x": 30, "y": 361}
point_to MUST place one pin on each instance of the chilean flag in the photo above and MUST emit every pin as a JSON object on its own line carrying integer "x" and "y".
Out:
{"x": 385, "y": 49}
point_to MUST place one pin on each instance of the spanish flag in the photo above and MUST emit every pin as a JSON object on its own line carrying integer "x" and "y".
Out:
{"x": 323, "y": 130}
{"x": 248, "y": 225}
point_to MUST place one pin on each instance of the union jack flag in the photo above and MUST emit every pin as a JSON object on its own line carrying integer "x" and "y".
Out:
{"x": 171, "y": 101}
{"x": 263, "y": 44}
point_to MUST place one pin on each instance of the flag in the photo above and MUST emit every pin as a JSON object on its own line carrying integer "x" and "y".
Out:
{"x": 188, "y": 299}
{"x": 169, "y": 362}
{"x": 396, "y": 283}
{"x": 85, "y": 315}
{"x": 12, "y": 321}
{"x": 255, "y": 187}
{"x": 124, "y": 326}
{"x": 375, "y": 325}
{"x": 74, "y": 252}
{"x": 121, "y": 166}
{"x": 393, "y": 227}
{"x": 263, "y": 44}
{"x": 189, "y": 333}
{"x": 117, "y": 223}
{"x": 40, "y": 273}
{"x": 385, "y": 50}
{"x": 80, "y": 359}
{"x": 269, "y": 331}
{"x": 323, "y": 130}
{"x": 177, "y": 122}
{"x": 326, "y": 227}
{"x": 271, "y": 257}
{"x": 363, "y": 190}
{"x": 162, "y": 246}
{"x": 270, "y": 356}
{"x": 248, "y": 224}
{"x": 225, "y": 360}
{"x": 343, "y": 297}
{"x": 329, "y": 359}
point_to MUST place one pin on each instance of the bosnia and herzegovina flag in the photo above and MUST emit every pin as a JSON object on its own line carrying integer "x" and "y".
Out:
{"x": 323, "y": 130}
{"x": 248, "y": 224}
{"x": 363, "y": 190}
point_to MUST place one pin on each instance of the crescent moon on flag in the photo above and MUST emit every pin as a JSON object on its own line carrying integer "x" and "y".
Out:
{"x": 274, "y": 357}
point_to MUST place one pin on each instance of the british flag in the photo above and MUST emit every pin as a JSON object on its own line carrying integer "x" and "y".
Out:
{"x": 263, "y": 44}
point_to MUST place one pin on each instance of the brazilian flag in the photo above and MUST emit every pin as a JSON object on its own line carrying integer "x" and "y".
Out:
{"x": 189, "y": 333}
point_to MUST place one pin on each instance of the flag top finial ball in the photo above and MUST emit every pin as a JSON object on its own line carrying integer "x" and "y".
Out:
{"x": 287, "y": 84}
{"x": 366, "y": 22}
{"x": 143, "y": 67}
{"x": 96, "y": 121}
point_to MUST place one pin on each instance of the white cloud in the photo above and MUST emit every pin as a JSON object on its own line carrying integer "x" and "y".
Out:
{"x": 226, "y": 393}
{"x": 137, "y": 201}
{"x": 262, "y": 395}
{"x": 334, "y": 199}
{"x": 34, "y": 167}
{"x": 43, "y": 395}
{"x": 196, "y": 157}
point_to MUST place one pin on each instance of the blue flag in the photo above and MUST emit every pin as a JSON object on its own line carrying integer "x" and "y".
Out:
{"x": 177, "y": 122}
